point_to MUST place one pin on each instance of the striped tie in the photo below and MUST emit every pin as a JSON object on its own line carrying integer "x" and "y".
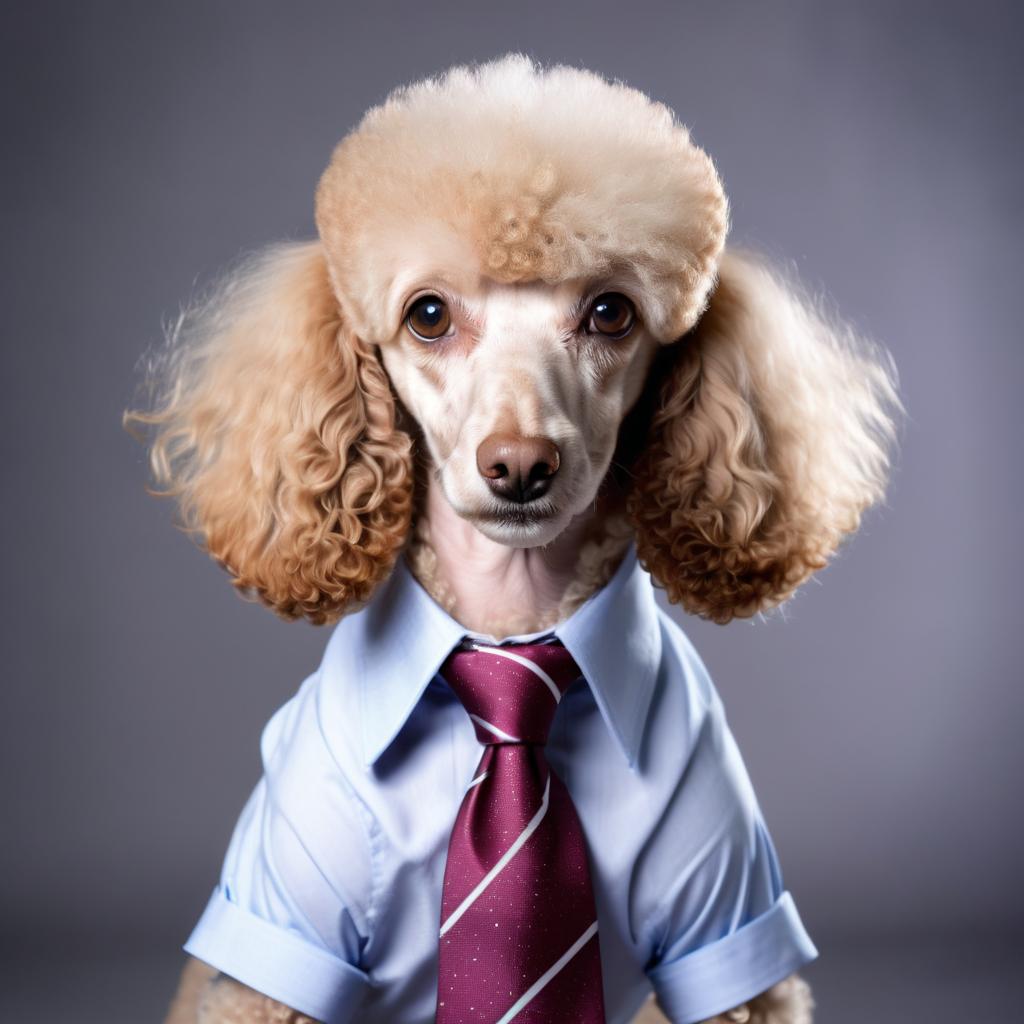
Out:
{"x": 518, "y": 927}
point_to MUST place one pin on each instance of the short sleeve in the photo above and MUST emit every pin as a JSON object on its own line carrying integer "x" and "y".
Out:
{"x": 728, "y": 929}
{"x": 290, "y": 915}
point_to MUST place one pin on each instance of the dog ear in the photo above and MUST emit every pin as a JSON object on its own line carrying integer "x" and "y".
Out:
{"x": 274, "y": 426}
{"x": 770, "y": 433}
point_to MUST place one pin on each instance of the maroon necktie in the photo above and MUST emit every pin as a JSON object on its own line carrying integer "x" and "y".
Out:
{"x": 518, "y": 927}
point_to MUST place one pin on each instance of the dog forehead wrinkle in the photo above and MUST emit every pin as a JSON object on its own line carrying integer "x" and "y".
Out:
{"x": 523, "y": 324}
{"x": 535, "y": 301}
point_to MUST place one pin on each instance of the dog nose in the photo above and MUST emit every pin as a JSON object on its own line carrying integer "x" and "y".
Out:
{"x": 519, "y": 469}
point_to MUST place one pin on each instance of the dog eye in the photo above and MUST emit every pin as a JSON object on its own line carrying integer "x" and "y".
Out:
{"x": 429, "y": 318}
{"x": 611, "y": 314}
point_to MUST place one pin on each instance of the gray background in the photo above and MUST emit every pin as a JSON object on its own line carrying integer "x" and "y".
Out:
{"x": 877, "y": 145}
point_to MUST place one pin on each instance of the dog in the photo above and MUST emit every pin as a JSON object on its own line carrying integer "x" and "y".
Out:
{"x": 519, "y": 350}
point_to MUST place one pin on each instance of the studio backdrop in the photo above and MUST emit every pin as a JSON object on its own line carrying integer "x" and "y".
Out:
{"x": 873, "y": 148}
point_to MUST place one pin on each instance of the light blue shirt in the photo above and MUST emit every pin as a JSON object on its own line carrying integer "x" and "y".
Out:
{"x": 330, "y": 895}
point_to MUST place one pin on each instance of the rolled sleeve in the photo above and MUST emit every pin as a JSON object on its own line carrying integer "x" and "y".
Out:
{"x": 738, "y": 967}
{"x": 277, "y": 962}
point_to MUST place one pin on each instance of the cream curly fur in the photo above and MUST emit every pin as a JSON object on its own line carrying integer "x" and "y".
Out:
{"x": 508, "y": 163}
{"x": 770, "y": 436}
{"x": 276, "y": 432}
{"x": 763, "y": 432}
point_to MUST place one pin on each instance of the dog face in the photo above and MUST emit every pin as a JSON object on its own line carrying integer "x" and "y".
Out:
{"x": 519, "y": 391}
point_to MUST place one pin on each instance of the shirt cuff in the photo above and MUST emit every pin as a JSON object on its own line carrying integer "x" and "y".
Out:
{"x": 277, "y": 962}
{"x": 735, "y": 968}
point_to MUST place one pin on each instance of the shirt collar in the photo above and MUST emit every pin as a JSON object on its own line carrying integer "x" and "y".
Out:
{"x": 404, "y": 636}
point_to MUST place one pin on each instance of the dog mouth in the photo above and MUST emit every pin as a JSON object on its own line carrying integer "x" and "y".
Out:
{"x": 511, "y": 515}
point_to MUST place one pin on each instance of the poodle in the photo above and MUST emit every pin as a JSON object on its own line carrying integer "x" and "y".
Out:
{"x": 518, "y": 351}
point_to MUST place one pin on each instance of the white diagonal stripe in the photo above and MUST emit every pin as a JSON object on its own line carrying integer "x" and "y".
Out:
{"x": 505, "y": 858}
{"x": 526, "y": 663}
{"x": 500, "y": 733}
{"x": 525, "y": 998}
{"x": 480, "y": 778}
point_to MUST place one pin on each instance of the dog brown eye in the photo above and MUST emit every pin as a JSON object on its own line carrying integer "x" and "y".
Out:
{"x": 429, "y": 318}
{"x": 611, "y": 314}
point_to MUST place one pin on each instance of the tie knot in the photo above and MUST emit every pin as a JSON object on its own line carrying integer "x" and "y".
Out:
{"x": 511, "y": 693}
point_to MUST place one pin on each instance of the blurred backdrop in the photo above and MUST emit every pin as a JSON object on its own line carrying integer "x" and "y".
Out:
{"x": 875, "y": 145}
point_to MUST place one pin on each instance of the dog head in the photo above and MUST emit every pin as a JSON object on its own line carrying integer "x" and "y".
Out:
{"x": 514, "y": 256}
{"x": 517, "y": 243}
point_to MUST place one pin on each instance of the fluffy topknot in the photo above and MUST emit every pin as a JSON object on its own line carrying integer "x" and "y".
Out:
{"x": 534, "y": 173}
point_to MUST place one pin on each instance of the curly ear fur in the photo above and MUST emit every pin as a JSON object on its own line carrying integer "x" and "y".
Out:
{"x": 770, "y": 436}
{"x": 275, "y": 429}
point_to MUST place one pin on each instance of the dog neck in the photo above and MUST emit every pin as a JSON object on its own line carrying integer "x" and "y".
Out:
{"x": 502, "y": 591}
